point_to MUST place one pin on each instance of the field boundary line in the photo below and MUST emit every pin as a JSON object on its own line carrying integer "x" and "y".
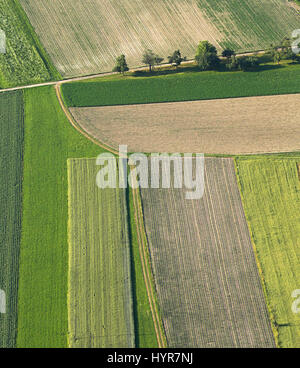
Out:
{"x": 260, "y": 270}
{"x": 106, "y": 74}
{"x": 149, "y": 267}
{"x": 76, "y": 125}
{"x": 161, "y": 339}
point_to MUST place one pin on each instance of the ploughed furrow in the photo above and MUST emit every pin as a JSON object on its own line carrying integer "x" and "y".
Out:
{"x": 206, "y": 276}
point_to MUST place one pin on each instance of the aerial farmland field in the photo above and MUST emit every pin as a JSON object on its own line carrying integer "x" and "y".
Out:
{"x": 11, "y": 168}
{"x": 49, "y": 142}
{"x": 228, "y": 126}
{"x": 270, "y": 190}
{"x": 251, "y": 25}
{"x": 205, "y": 272}
{"x": 25, "y": 61}
{"x": 136, "y": 267}
{"x": 79, "y": 47}
{"x": 100, "y": 290}
{"x": 185, "y": 85}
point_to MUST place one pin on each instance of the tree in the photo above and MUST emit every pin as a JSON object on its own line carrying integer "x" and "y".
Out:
{"x": 207, "y": 56}
{"x": 228, "y": 53}
{"x": 233, "y": 63}
{"x": 277, "y": 57}
{"x": 121, "y": 65}
{"x": 248, "y": 63}
{"x": 176, "y": 58}
{"x": 151, "y": 59}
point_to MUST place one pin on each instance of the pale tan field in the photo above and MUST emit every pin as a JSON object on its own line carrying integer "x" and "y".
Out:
{"x": 232, "y": 126}
{"x": 85, "y": 37}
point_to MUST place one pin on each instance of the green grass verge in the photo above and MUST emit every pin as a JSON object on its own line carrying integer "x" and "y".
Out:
{"x": 11, "y": 167}
{"x": 145, "y": 331}
{"x": 49, "y": 141}
{"x": 100, "y": 290}
{"x": 185, "y": 86}
{"x": 270, "y": 189}
{"x": 25, "y": 60}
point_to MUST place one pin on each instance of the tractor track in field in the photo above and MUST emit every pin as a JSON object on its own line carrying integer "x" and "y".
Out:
{"x": 160, "y": 335}
{"x": 161, "y": 340}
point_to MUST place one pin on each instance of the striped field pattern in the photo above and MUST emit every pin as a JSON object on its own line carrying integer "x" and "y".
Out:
{"x": 206, "y": 276}
{"x": 86, "y": 36}
{"x": 253, "y": 24}
{"x": 11, "y": 168}
{"x": 100, "y": 291}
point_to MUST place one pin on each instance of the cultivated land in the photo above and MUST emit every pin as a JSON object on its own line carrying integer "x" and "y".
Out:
{"x": 232, "y": 126}
{"x": 11, "y": 167}
{"x": 49, "y": 141}
{"x": 100, "y": 290}
{"x": 251, "y": 25}
{"x": 206, "y": 276}
{"x": 79, "y": 47}
{"x": 114, "y": 27}
{"x": 183, "y": 86}
{"x": 25, "y": 61}
{"x": 270, "y": 190}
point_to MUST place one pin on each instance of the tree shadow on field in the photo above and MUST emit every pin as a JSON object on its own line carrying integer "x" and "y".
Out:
{"x": 170, "y": 70}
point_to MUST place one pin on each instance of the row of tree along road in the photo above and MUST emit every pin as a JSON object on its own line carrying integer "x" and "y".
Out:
{"x": 207, "y": 58}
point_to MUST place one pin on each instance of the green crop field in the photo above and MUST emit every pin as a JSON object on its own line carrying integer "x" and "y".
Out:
{"x": 193, "y": 85}
{"x": 11, "y": 166}
{"x": 49, "y": 141}
{"x": 270, "y": 190}
{"x": 100, "y": 290}
{"x": 25, "y": 61}
{"x": 251, "y": 25}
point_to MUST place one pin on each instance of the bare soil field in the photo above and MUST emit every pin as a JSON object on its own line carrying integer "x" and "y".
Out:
{"x": 230, "y": 126}
{"x": 207, "y": 281}
{"x": 85, "y": 37}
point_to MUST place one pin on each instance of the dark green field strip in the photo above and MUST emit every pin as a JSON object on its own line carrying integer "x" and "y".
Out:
{"x": 270, "y": 190}
{"x": 49, "y": 141}
{"x": 11, "y": 167}
{"x": 25, "y": 60}
{"x": 271, "y": 80}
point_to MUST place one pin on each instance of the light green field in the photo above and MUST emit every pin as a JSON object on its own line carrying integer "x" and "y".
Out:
{"x": 25, "y": 61}
{"x": 49, "y": 141}
{"x": 100, "y": 290}
{"x": 11, "y": 167}
{"x": 270, "y": 190}
{"x": 253, "y": 24}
